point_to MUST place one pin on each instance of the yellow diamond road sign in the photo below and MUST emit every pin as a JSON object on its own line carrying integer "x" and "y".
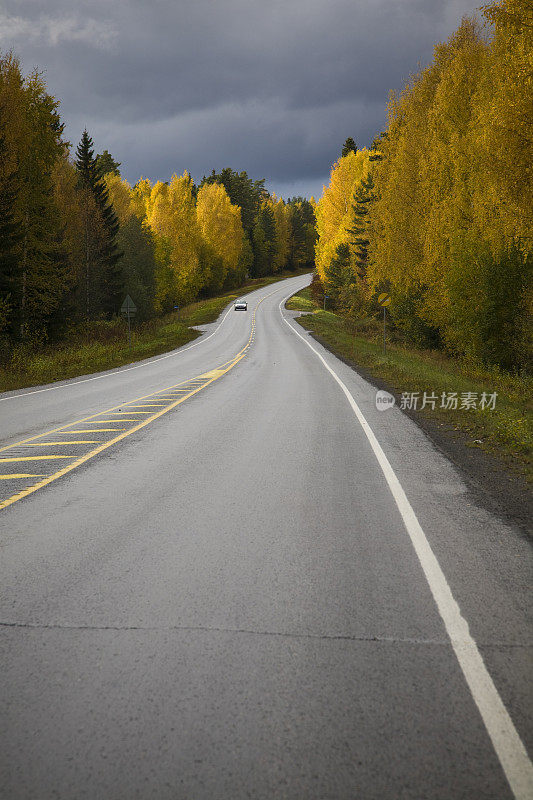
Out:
{"x": 384, "y": 299}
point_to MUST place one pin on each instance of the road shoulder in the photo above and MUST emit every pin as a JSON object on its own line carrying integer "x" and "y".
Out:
{"x": 492, "y": 484}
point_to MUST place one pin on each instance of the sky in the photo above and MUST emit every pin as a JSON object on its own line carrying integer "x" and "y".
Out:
{"x": 273, "y": 87}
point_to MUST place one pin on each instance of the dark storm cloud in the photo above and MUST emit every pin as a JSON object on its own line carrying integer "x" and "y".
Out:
{"x": 270, "y": 87}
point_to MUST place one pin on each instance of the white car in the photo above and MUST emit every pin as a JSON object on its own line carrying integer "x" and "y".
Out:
{"x": 241, "y": 305}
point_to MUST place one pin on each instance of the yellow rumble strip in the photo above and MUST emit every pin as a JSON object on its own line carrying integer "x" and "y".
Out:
{"x": 31, "y": 458}
{"x": 19, "y": 475}
{"x": 55, "y": 444}
{"x": 81, "y": 450}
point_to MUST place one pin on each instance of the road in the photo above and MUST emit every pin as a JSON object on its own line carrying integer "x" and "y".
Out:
{"x": 245, "y": 581}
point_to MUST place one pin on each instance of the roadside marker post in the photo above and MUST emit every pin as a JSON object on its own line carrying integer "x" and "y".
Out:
{"x": 384, "y": 299}
{"x": 129, "y": 308}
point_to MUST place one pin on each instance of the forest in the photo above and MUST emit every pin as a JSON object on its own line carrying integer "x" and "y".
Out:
{"x": 439, "y": 211}
{"x": 76, "y": 238}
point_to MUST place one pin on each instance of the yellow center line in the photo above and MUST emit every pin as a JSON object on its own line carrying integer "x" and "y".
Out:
{"x": 190, "y": 388}
{"x": 74, "y": 464}
{"x": 40, "y": 484}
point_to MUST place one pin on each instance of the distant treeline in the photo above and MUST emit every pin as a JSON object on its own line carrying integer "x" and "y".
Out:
{"x": 439, "y": 212}
{"x": 75, "y": 237}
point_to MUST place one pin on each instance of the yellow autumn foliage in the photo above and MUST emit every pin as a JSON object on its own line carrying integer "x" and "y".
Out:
{"x": 333, "y": 210}
{"x": 450, "y": 231}
{"x": 220, "y": 225}
{"x": 171, "y": 214}
{"x": 121, "y": 195}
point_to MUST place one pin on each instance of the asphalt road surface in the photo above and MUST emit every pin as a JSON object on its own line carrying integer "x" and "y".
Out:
{"x": 228, "y": 575}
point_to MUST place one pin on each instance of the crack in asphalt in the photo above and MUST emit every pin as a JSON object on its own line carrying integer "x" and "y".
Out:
{"x": 253, "y": 632}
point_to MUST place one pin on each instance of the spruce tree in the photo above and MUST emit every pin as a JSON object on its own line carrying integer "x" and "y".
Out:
{"x": 349, "y": 146}
{"x": 106, "y": 164}
{"x": 298, "y": 235}
{"x": 86, "y": 162}
{"x": 102, "y": 253}
{"x": 364, "y": 196}
{"x": 337, "y": 274}
{"x": 264, "y": 241}
{"x": 113, "y": 282}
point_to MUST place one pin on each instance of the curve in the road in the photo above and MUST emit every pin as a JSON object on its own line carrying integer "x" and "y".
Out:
{"x": 109, "y": 373}
{"x": 20, "y": 451}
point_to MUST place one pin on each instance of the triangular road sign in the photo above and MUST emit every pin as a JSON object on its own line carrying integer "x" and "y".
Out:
{"x": 128, "y": 306}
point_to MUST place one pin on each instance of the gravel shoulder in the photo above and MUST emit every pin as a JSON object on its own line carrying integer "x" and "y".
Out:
{"x": 491, "y": 481}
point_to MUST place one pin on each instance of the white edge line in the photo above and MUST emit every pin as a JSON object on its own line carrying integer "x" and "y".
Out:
{"x": 176, "y": 352}
{"x": 505, "y": 739}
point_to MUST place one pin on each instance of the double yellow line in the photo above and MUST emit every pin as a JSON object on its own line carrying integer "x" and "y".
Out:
{"x": 195, "y": 384}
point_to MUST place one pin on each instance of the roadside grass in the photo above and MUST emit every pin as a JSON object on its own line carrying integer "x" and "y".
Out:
{"x": 507, "y": 430}
{"x": 302, "y": 301}
{"x": 108, "y": 347}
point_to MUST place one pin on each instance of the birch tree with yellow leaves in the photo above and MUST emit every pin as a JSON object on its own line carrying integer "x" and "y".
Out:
{"x": 451, "y": 228}
{"x": 171, "y": 214}
{"x": 334, "y": 209}
{"x": 444, "y": 211}
{"x": 335, "y": 245}
{"x": 222, "y": 233}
